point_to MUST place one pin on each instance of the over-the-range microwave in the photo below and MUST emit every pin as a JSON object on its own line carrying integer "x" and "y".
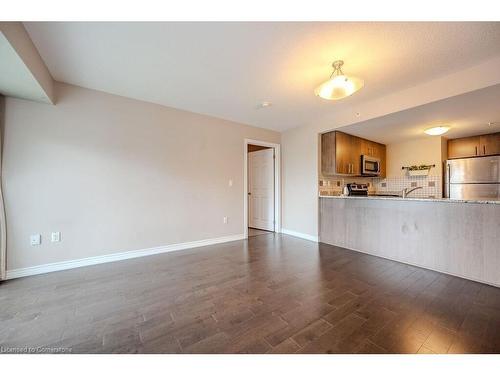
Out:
{"x": 370, "y": 166}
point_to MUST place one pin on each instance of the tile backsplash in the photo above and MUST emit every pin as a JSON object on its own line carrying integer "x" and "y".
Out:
{"x": 431, "y": 185}
{"x": 334, "y": 185}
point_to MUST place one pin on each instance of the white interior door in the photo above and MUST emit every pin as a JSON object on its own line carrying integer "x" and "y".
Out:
{"x": 261, "y": 189}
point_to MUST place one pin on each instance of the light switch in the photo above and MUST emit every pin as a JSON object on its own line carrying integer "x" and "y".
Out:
{"x": 35, "y": 239}
{"x": 224, "y": 219}
{"x": 55, "y": 237}
{"x": 230, "y": 183}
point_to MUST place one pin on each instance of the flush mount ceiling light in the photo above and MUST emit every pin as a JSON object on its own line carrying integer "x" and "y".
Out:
{"x": 264, "y": 105}
{"x": 437, "y": 130}
{"x": 339, "y": 85}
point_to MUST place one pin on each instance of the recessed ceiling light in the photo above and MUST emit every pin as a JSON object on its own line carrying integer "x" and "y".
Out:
{"x": 437, "y": 130}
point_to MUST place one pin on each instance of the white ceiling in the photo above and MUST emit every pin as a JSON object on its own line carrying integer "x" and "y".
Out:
{"x": 466, "y": 114}
{"x": 227, "y": 69}
{"x": 15, "y": 77}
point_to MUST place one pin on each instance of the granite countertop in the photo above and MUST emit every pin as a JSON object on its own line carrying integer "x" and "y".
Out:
{"x": 444, "y": 200}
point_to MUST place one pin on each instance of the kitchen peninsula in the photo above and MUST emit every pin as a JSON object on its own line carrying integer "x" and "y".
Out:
{"x": 456, "y": 236}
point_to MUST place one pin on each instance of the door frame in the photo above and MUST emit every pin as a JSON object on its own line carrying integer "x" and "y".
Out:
{"x": 277, "y": 182}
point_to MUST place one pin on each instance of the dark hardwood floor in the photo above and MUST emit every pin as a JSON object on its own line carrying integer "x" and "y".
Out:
{"x": 272, "y": 294}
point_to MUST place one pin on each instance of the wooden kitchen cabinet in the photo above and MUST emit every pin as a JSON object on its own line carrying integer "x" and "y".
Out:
{"x": 480, "y": 145}
{"x": 371, "y": 148}
{"x": 489, "y": 144}
{"x": 348, "y": 154}
{"x": 328, "y": 165}
{"x": 463, "y": 147}
{"x": 341, "y": 153}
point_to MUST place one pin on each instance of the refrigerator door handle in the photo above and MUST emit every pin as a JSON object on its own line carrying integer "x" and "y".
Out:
{"x": 448, "y": 180}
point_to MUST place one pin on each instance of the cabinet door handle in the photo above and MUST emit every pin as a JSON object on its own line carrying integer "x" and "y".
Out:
{"x": 484, "y": 149}
{"x": 476, "y": 150}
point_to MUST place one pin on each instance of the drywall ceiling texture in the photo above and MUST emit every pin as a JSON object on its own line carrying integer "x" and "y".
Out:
{"x": 475, "y": 112}
{"x": 23, "y": 73}
{"x": 114, "y": 174}
{"x": 227, "y": 69}
{"x": 15, "y": 78}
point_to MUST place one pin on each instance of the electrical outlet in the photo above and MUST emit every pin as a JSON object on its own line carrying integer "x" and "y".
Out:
{"x": 55, "y": 236}
{"x": 224, "y": 219}
{"x": 35, "y": 239}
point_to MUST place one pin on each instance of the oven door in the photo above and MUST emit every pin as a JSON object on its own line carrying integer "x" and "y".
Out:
{"x": 370, "y": 166}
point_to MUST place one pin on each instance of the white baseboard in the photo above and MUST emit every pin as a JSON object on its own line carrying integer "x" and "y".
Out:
{"x": 300, "y": 235}
{"x": 65, "y": 265}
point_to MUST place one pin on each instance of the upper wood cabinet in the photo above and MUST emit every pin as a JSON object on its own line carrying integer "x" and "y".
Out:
{"x": 489, "y": 144}
{"x": 463, "y": 147}
{"x": 371, "y": 148}
{"x": 341, "y": 153}
{"x": 347, "y": 154}
{"x": 328, "y": 165}
{"x": 480, "y": 145}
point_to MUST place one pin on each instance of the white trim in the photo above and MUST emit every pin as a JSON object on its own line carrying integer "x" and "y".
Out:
{"x": 66, "y": 265}
{"x": 300, "y": 235}
{"x": 277, "y": 182}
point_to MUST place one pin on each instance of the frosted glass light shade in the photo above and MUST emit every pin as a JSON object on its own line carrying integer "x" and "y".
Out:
{"x": 437, "y": 130}
{"x": 339, "y": 87}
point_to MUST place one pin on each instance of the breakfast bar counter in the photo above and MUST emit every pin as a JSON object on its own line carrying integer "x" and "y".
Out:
{"x": 441, "y": 200}
{"x": 461, "y": 238}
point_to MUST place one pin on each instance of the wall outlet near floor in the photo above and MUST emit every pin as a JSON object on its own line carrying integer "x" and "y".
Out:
{"x": 224, "y": 219}
{"x": 55, "y": 237}
{"x": 35, "y": 239}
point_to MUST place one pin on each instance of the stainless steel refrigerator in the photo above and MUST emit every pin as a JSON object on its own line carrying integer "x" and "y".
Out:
{"x": 473, "y": 178}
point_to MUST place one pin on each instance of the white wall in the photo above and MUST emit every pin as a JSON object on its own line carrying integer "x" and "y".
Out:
{"x": 415, "y": 152}
{"x": 300, "y": 145}
{"x": 114, "y": 174}
{"x": 299, "y": 168}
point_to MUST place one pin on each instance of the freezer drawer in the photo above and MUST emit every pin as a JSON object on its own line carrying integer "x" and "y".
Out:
{"x": 474, "y": 191}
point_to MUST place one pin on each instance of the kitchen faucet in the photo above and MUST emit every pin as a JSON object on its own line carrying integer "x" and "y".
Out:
{"x": 407, "y": 191}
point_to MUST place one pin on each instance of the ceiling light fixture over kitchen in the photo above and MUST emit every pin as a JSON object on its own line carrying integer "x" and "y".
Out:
{"x": 437, "y": 130}
{"x": 339, "y": 85}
